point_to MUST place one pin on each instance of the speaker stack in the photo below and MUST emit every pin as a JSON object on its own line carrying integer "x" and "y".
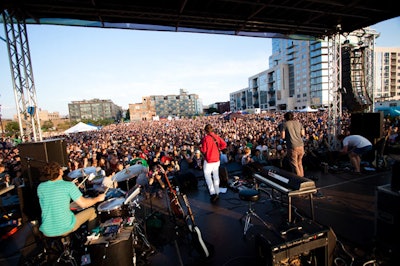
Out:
{"x": 387, "y": 216}
{"x": 368, "y": 125}
{"x": 44, "y": 151}
{"x": 34, "y": 155}
{"x": 354, "y": 96}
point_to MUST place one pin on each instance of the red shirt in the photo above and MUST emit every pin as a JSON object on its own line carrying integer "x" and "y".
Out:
{"x": 210, "y": 149}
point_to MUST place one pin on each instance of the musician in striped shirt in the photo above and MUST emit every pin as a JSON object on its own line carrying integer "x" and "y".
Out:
{"x": 55, "y": 195}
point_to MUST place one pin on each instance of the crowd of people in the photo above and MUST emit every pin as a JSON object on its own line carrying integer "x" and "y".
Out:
{"x": 199, "y": 144}
{"x": 171, "y": 142}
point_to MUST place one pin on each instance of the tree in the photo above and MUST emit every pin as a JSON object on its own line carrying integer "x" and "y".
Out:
{"x": 47, "y": 125}
{"x": 127, "y": 115}
{"x": 12, "y": 127}
{"x": 212, "y": 110}
{"x": 64, "y": 126}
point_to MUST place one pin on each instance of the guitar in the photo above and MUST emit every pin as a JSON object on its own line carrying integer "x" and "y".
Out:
{"x": 195, "y": 231}
{"x": 174, "y": 201}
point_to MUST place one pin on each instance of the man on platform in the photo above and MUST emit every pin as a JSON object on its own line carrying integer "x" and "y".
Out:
{"x": 355, "y": 146}
{"x": 293, "y": 132}
{"x": 211, "y": 145}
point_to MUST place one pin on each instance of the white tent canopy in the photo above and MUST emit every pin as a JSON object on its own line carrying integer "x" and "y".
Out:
{"x": 80, "y": 127}
{"x": 308, "y": 109}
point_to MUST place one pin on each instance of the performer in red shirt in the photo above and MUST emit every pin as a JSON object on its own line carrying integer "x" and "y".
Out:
{"x": 211, "y": 145}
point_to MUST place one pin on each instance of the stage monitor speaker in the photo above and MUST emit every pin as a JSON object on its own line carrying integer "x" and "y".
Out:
{"x": 387, "y": 218}
{"x": 369, "y": 125}
{"x": 119, "y": 251}
{"x": 395, "y": 181}
{"x": 34, "y": 155}
{"x": 41, "y": 152}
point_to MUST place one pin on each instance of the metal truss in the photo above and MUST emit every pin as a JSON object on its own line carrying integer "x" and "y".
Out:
{"x": 334, "y": 85}
{"x": 22, "y": 78}
{"x": 365, "y": 39}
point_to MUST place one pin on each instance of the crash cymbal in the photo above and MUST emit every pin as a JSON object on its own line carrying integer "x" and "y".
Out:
{"x": 129, "y": 172}
{"x": 82, "y": 172}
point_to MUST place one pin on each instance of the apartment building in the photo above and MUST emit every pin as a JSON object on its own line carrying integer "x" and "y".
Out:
{"x": 387, "y": 74}
{"x": 163, "y": 106}
{"x": 95, "y": 109}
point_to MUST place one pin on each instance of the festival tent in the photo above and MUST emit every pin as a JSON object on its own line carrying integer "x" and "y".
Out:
{"x": 308, "y": 109}
{"x": 391, "y": 111}
{"x": 231, "y": 115}
{"x": 80, "y": 127}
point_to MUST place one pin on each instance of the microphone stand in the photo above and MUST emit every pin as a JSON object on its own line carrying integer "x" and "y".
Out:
{"x": 28, "y": 160}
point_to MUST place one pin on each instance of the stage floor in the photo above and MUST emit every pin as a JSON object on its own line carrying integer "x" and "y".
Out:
{"x": 344, "y": 204}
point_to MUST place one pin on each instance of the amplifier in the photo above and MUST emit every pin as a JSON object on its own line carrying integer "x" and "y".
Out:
{"x": 116, "y": 250}
{"x": 387, "y": 218}
{"x": 301, "y": 242}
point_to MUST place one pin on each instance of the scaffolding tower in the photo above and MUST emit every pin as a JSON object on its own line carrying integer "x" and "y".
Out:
{"x": 362, "y": 43}
{"x": 22, "y": 78}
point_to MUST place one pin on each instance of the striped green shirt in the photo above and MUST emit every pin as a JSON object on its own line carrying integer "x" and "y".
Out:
{"x": 55, "y": 198}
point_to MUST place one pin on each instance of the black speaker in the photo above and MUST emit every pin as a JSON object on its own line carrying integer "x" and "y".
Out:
{"x": 354, "y": 95}
{"x": 35, "y": 155}
{"x": 395, "y": 181}
{"x": 118, "y": 251}
{"x": 387, "y": 218}
{"x": 41, "y": 152}
{"x": 368, "y": 125}
{"x": 186, "y": 182}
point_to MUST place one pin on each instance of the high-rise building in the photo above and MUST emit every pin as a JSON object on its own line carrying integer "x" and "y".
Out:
{"x": 307, "y": 80}
{"x": 94, "y": 109}
{"x": 387, "y": 74}
{"x": 267, "y": 90}
{"x": 298, "y": 75}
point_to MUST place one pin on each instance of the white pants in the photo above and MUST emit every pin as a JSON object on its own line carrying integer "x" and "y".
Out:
{"x": 211, "y": 176}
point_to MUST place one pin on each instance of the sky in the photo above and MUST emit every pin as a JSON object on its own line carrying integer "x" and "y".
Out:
{"x": 76, "y": 63}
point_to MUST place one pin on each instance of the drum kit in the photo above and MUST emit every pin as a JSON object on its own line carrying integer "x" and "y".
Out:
{"x": 118, "y": 232}
{"x": 91, "y": 174}
{"x": 130, "y": 172}
{"x": 118, "y": 202}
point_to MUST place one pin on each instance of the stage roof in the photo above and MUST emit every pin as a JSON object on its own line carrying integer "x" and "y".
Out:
{"x": 297, "y": 19}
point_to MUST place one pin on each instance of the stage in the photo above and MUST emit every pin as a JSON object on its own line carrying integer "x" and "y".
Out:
{"x": 348, "y": 225}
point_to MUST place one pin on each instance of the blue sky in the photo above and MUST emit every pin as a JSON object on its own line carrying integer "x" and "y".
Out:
{"x": 75, "y": 63}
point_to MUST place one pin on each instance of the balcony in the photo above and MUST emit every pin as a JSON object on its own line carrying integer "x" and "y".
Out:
{"x": 272, "y": 102}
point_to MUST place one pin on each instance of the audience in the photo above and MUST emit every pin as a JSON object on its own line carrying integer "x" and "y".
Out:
{"x": 170, "y": 142}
